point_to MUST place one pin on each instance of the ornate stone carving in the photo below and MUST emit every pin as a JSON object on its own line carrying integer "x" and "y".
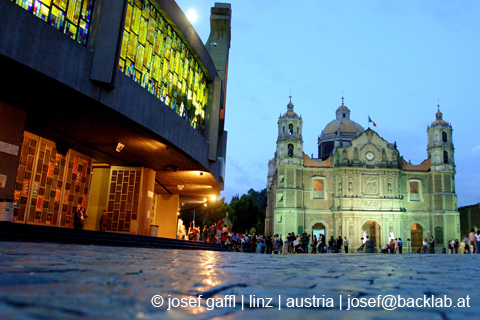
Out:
{"x": 370, "y": 184}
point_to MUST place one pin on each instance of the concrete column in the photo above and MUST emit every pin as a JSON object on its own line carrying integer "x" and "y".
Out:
{"x": 166, "y": 215}
{"x": 145, "y": 211}
{"x": 98, "y": 195}
{"x": 12, "y": 126}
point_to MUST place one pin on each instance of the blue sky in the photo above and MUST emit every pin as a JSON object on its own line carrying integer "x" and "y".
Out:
{"x": 391, "y": 60}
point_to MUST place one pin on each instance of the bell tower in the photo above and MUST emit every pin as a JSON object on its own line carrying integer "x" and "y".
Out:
{"x": 289, "y": 141}
{"x": 288, "y": 199}
{"x": 441, "y": 195}
{"x": 440, "y": 145}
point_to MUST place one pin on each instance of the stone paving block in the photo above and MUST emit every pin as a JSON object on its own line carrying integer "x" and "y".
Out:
{"x": 55, "y": 281}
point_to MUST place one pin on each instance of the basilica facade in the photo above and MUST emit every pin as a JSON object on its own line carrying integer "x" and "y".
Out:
{"x": 360, "y": 185}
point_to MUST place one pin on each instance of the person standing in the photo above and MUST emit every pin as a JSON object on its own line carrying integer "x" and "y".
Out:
{"x": 339, "y": 244}
{"x": 424, "y": 248}
{"x": 291, "y": 239}
{"x": 321, "y": 243}
{"x": 473, "y": 239}
{"x": 103, "y": 221}
{"x": 314, "y": 244}
{"x": 331, "y": 243}
{"x": 400, "y": 245}
{"x": 466, "y": 245}
{"x": 211, "y": 232}
{"x": 304, "y": 240}
{"x": 219, "y": 231}
{"x": 345, "y": 244}
{"x": 432, "y": 245}
{"x": 205, "y": 233}
{"x": 477, "y": 237}
{"x": 455, "y": 245}
{"x": 79, "y": 218}
{"x": 396, "y": 245}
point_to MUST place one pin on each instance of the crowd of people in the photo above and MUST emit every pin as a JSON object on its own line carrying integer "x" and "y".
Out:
{"x": 296, "y": 244}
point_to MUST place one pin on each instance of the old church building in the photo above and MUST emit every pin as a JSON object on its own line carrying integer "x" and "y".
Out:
{"x": 361, "y": 185}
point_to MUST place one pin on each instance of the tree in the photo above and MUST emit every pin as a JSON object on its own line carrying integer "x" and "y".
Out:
{"x": 244, "y": 213}
{"x": 213, "y": 212}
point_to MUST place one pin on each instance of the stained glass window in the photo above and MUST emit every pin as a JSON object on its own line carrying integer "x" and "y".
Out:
{"x": 155, "y": 57}
{"x": 318, "y": 188}
{"x": 72, "y": 17}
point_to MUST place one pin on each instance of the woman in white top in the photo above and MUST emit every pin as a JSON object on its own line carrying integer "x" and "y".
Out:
{"x": 424, "y": 249}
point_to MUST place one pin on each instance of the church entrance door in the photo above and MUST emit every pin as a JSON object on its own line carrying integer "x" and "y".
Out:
{"x": 416, "y": 236}
{"x": 318, "y": 229}
{"x": 373, "y": 231}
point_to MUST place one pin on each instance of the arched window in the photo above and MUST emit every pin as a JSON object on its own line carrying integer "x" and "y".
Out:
{"x": 445, "y": 157}
{"x": 298, "y": 130}
{"x": 290, "y": 150}
{"x": 444, "y": 137}
{"x": 290, "y": 128}
{"x": 283, "y": 129}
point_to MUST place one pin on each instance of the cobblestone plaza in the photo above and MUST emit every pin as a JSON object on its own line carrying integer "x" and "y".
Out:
{"x": 55, "y": 281}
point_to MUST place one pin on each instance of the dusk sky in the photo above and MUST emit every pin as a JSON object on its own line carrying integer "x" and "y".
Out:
{"x": 392, "y": 60}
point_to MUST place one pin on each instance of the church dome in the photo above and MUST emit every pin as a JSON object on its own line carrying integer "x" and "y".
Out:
{"x": 342, "y": 130}
{"x": 342, "y": 126}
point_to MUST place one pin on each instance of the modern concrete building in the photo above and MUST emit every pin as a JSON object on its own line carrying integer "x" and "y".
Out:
{"x": 110, "y": 104}
{"x": 360, "y": 185}
{"x": 469, "y": 219}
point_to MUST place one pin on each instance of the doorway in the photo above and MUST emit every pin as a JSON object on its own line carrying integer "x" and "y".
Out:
{"x": 416, "y": 236}
{"x": 373, "y": 230}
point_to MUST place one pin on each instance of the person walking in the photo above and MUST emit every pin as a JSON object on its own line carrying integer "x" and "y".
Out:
{"x": 424, "y": 247}
{"x": 345, "y": 244}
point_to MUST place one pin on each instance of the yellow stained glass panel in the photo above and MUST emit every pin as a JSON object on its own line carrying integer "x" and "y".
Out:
{"x": 132, "y": 46}
{"x": 139, "y": 57}
{"x": 78, "y": 8}
{"x": 128, "y": 17}
{"x": 71, "y": 9}
{"x": 136, "y": 20}
{"x": 148, "y": 56}
{"x": 142, "y": 36}
{"x": 123, "y": 51}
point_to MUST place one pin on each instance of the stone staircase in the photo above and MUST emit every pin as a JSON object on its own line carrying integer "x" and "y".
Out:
{"x": 35, "y": 233}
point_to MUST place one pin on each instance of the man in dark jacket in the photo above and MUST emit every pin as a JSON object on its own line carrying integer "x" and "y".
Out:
{"x": 339, "y": 244}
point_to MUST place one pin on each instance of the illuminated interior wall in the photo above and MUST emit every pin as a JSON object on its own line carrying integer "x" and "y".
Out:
{"x": 50, "y": 187}
{"x": 97, "y": 200}
{"x": 124, "y": 199}
{"x": 155, "y": 57}
{"x": 72, "y": 17}
{"x": 166, "y": 215}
